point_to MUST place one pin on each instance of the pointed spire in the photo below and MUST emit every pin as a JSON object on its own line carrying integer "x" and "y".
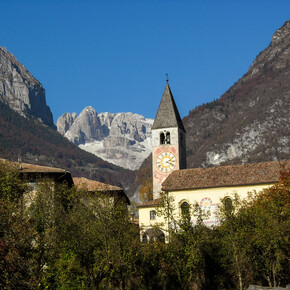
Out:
{"x": 167, "y": 115}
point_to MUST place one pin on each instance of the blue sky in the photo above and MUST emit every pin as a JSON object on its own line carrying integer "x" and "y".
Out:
{"x": 113, "y": 55}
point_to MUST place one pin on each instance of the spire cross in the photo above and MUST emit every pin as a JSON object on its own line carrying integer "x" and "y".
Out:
{"x": 167, "y": 78}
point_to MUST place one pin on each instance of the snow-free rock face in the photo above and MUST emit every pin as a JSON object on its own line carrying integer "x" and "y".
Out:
{"x": 21, "y": 91}
{"x": 123, "y": 139}
{"x": 64, "y": 123}
{"x": 85, "y": 128}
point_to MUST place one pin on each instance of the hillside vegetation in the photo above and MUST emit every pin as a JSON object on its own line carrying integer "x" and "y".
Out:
{"x": 250, "y": 122}
{"x": 38, "y": 144}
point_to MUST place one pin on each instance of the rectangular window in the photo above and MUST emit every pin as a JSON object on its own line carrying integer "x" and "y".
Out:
{"x": 152, "y": 214}
{"x": 33, "y": 185}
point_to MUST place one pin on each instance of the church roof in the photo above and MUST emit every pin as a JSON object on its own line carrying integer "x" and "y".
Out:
{"x": 221, "y": 176}
{"x": 167, "y": 115}
{"x": 150, "y": 203}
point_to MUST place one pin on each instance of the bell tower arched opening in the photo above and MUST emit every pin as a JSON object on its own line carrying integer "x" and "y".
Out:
{"x": 165, "y": 138}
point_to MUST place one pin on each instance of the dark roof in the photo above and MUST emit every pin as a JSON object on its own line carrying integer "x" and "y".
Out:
{"x": 167, "y": 115}
{"x": 231, "y": 175}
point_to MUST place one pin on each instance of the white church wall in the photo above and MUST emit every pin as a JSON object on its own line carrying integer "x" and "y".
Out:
{"x": 207, "y": 198}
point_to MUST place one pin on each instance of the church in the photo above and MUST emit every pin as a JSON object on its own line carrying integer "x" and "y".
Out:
{"x": 206, "y": 187}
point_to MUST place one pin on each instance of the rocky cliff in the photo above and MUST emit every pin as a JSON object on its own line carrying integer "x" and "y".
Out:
{"x": 21, "y": 91}
{"x": 123, "y": 139}
{"x": 250, "y": 122}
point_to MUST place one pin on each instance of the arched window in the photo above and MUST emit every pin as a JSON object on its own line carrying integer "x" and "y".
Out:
{"x": 228, "y": 203}
{"x": 167, "y": 138}
{"x": 153, "y": 235}
{"x": 162, "y": 138}
{"x": 184, "y": 208}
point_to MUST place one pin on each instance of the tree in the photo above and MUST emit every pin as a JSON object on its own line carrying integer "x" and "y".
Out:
{"x": 145, "y": 190}
{"x": 189, "y": 243}
{"x": 268, "y": 233}
{"x": 16, "y": 233}
{"x": 233, "y": 236}
{"x": 96, "y": 245}
{"x": 256, "y": 234}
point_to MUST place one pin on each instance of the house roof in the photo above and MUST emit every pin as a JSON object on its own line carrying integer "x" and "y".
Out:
{"x": 82, "y": 183}
{"x": 150, "y": 203}
{"x": 167, "y": 115}
{"x": 92, "y": 185}
{"x": 221, "y": 176}
{"x": 34, "y": 172}
{"x": 26, "y": 167}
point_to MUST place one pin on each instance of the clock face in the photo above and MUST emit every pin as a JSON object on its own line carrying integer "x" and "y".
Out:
{"x": 166, "y": 161}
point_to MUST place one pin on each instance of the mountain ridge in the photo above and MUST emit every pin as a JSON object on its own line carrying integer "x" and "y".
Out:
{"x": 123, "y": 139}
{"x": 247, "y": 123}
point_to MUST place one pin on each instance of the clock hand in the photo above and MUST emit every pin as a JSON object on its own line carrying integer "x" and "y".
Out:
{"x": 169, "y": 162}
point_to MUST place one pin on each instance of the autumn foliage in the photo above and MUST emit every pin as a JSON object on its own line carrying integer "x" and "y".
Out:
{"x": 66, "y": 239}
{"x": 145, "y": 190}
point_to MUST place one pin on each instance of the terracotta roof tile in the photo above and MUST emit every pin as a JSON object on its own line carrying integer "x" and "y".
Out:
{"x": 231, "y": 175}
{"x": 26, "y": 167}
{"x": 92, "y": 185}
{"x": 37, "y": 168}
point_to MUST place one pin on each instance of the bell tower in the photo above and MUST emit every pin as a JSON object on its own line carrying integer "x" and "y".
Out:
{"x": 168, "y": 141}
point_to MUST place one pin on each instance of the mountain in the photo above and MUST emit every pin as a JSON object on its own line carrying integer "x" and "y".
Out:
{"x": 38, "y": 144}
{"x": 249, "y": 122}
{"x": 123, "y": 139}
{"x": 21, "y": 91}
{"x": 27, "y": 131}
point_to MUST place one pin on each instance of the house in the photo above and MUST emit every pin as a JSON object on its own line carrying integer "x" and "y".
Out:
{"x": 35, "y": 175}
{"x": 117, "y": 194}
{"x": 206, "y": 187}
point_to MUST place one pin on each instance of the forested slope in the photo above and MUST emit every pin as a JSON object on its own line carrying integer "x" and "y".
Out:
{"x": 250, "y": 122}
{"x": 38, "y": 144}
